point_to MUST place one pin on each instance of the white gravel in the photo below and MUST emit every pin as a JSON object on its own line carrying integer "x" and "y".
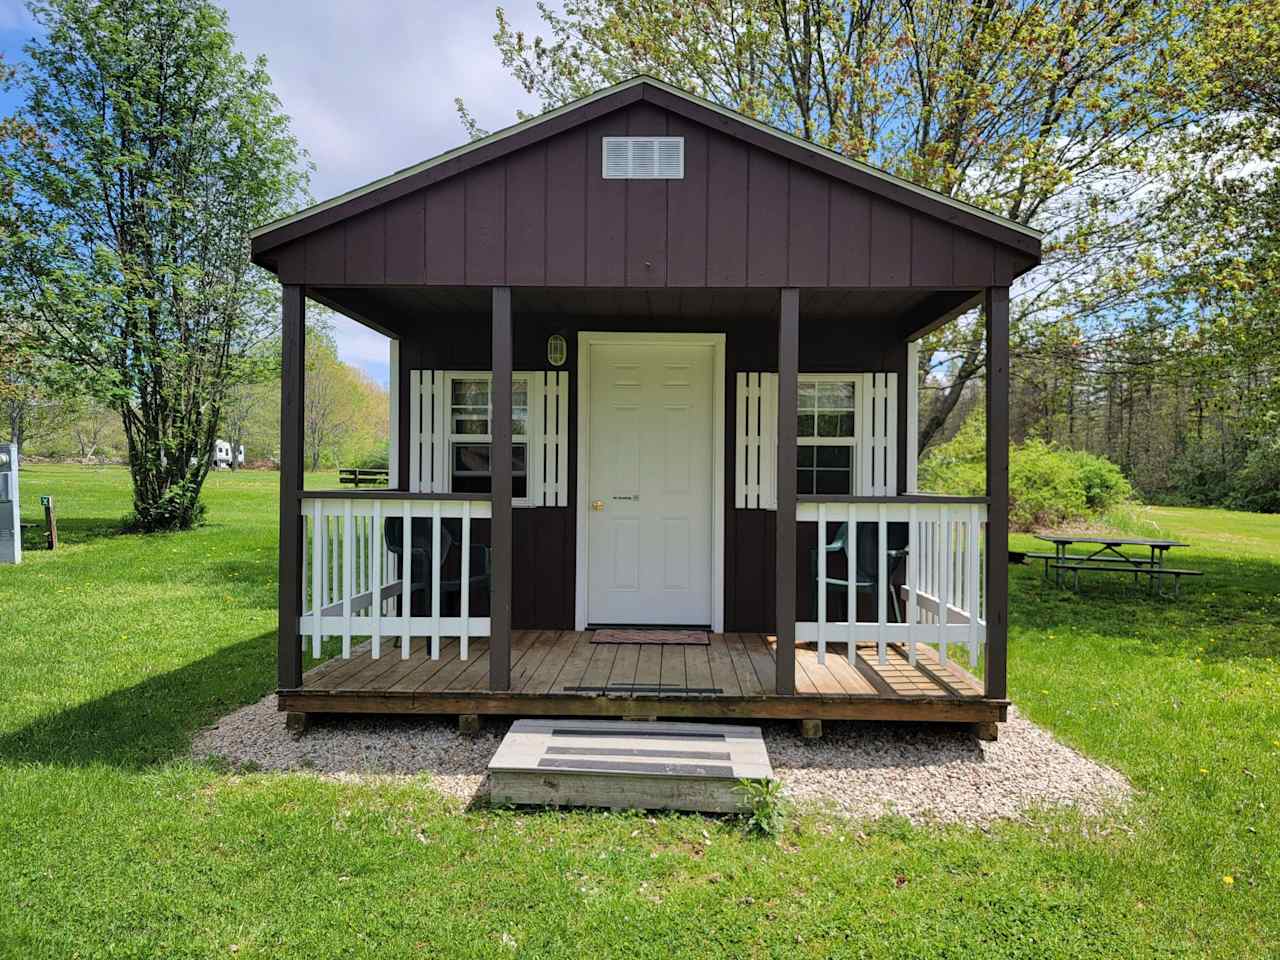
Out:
{"x": 925, "y": 773}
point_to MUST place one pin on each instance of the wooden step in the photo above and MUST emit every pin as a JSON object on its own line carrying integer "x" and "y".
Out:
{"x": 628, "y": 764}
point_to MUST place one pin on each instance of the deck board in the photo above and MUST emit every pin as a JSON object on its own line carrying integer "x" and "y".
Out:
{"x": 563, "y": 673}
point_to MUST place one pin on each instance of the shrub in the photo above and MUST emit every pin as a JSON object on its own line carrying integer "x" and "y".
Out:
{"x": 1256, "y": 486}
{"x": 1047, "y": 486}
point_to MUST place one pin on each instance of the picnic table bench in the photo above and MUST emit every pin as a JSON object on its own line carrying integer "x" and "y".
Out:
{"x": 358, "y": 475}
{"x": 1107, "y": 557}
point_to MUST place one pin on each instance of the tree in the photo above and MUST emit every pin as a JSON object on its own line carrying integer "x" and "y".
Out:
{"x": 1051, "y": 114}
{"x": 145, "y": 149}
{"x": 345, "y": 415}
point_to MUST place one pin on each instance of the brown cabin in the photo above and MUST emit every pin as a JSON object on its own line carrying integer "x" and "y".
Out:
{"x": 706, "y": 332}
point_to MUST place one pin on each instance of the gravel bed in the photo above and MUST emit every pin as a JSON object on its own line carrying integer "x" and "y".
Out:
{"x": 925, "y": 773}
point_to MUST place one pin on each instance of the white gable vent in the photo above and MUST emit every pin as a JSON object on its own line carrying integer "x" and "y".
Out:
{"x": 643, "y": 158}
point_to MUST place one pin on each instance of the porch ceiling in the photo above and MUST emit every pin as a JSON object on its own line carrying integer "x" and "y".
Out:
{"x": 400, "y": 311}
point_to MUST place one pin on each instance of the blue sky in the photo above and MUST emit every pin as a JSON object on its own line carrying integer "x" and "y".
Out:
{"x": 369, "y": 87}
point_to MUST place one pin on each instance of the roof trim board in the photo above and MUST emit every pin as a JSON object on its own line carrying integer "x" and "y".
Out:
{"x": 956, "y": 212}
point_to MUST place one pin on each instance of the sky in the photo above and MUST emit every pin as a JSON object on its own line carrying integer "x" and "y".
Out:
{"x": 369, "y": 87}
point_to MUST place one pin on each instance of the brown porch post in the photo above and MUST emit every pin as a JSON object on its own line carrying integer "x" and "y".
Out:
{"x": 997, "y": 311}
{"x": 500, "y": 464}
{"x": 785, "y": 539}
{"x": 293, "y": 333}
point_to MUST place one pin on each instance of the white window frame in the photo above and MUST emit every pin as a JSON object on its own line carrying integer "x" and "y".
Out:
{"x": 450, "y": 438}
{"x": 852, "y": 441}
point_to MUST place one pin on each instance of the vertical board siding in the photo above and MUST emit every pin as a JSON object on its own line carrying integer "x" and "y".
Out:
{"x": 606, "y": 210}
{"x": 566, "y": 242}
{"x": 741, "y": 216}
{"x": 890, "y": 244}
{"x": 327, "y": 255}
{"x": 687, "y": 209}
{"x": 850, "y": 233}
{"x": 486, "y": 223}
{"x": 726, "y": 212}
{"x": 809, "y": 210}
{"x": 366, "y": 247}
{"x": 767, "y": 218}
{"x": 446, "y": 221}
{"x": 646, "y": 251}
{"x": 526, "y": 216}
{"x": 406, "y": 239}
{"x": 974, "y": 261}
{"x": 931, "y": 254}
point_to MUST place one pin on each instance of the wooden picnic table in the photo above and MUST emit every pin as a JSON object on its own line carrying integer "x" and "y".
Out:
{"x": 1107, "y": 556}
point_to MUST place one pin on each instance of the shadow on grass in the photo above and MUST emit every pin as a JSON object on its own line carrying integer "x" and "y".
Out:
{"x": 72, "y": 530}
{"x": 1218, "y": 615}
{"x": 150, "y": 721}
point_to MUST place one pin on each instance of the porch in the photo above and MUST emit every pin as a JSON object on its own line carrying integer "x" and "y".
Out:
{"x": 563, "y": 673}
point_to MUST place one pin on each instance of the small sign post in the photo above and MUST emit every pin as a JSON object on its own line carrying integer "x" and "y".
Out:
{"x": 10, "y": 515}
{"x": 50, "y": 522}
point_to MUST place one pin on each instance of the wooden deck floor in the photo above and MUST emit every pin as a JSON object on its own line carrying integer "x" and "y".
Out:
{"x": 562, "y": 673}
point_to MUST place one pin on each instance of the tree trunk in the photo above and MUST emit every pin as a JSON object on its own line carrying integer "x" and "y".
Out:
{"x": 970, "y": 367}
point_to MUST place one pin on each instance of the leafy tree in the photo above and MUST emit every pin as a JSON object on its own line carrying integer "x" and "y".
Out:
{"x": 1051, "y": 114}
{"x": 145, "y": 149}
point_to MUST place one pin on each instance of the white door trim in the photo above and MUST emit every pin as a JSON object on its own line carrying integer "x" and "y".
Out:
{"x": 716, "y": 341}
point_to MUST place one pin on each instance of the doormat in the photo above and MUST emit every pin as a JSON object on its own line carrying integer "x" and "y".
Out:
{"x": 698, "y": 637}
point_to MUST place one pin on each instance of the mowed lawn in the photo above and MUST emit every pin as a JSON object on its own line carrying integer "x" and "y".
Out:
{"x": 113, "y": 844}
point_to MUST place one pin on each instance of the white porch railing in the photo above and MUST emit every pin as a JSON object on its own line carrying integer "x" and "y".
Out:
{"x": 936, "y": 574}
{"x": 358, "y": 583}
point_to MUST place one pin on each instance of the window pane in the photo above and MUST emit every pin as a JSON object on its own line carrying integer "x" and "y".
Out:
{"x": 804, "y": 425}
{"x": 835, "y": 425}
{"x": 519, "y": 459}
{"x": 835, "y": 396}
{"x": 837, "y": 457}
{"x": 831, "y": 481}
{"x": 808, "y": 392}
{"x": 804, "y": 456}
{"x": 520, "y": 393}
{"x": 471, "y": 393}
{"x": 470, "y": 458}
{"x": 804, "y": 482}
{"x": 470, "y": 424}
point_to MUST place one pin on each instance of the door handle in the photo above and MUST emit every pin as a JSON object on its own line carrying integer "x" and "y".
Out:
{"x": 633, "y": 496}
{"x": 597, "y": 504}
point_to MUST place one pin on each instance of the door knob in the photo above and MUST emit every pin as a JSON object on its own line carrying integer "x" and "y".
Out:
{"x": 597, "y": 504}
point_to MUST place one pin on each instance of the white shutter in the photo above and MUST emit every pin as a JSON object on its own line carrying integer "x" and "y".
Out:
{"x": 877, "y": 432}
{"x": 756, "y": 479}
{"x": 428, "y": 423}
{"x": 548, "y": 438}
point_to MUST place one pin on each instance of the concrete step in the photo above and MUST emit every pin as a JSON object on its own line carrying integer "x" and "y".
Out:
{"x": 628, "y": 764}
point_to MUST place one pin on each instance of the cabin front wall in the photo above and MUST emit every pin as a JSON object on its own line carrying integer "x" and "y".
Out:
{"x": 545, "y": 538}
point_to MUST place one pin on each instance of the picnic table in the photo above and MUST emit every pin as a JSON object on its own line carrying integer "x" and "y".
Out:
{"x": 1106, "y": 556}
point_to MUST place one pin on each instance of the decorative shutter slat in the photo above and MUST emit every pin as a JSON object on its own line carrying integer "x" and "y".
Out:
{"x": 755, "y": 439}
{"x": 642, "y": 158}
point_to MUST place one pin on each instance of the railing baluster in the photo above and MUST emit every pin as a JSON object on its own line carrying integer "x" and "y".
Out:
{"x": 406, "y": 577}
{"x": 913, "y": 573}
{"x": 464, "y": 593}
{"x": 944, "y": 591}
{"x": 317, "y": 573}
{"x": 304, "y": 579}
{"x": 435, "y": 580}
{"x": 822, "y": 582}
{"x": 973, "y": 578}
{"x": 348, "y": 576}
{"x": 375, "y": 579}
{"x": 851, "y": 581}
{"x": 882, "y": 576}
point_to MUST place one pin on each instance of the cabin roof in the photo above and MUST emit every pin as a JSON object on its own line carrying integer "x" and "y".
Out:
{"x": 960, "y": 214}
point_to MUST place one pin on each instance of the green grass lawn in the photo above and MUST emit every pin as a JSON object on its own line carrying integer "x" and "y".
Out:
{"x": 112, "y": 844}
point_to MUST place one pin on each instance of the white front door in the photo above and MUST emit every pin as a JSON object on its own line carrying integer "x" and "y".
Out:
{"x": 649, "y": 490}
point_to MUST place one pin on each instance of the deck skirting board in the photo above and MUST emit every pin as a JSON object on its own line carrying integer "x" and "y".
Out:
{"x": 914, "y": 709}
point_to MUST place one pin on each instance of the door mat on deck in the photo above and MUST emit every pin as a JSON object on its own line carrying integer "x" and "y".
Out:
{"x": 651, "y": 636}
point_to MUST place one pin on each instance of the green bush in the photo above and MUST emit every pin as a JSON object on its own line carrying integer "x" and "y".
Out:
{"x": 1047, "y": 486}
{"x": 1256, "y": 486}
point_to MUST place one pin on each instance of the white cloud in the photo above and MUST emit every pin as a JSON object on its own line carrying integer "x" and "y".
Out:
{"x": 370, "y": 89}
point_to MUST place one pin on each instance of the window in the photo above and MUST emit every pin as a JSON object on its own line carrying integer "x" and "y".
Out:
{"x": 827, "y": 459}
{"x": 470, "y": 440}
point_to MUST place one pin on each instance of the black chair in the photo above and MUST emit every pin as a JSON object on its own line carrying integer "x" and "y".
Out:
{"x": 866, "y": 568}
{"x": 420, "y": 546}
